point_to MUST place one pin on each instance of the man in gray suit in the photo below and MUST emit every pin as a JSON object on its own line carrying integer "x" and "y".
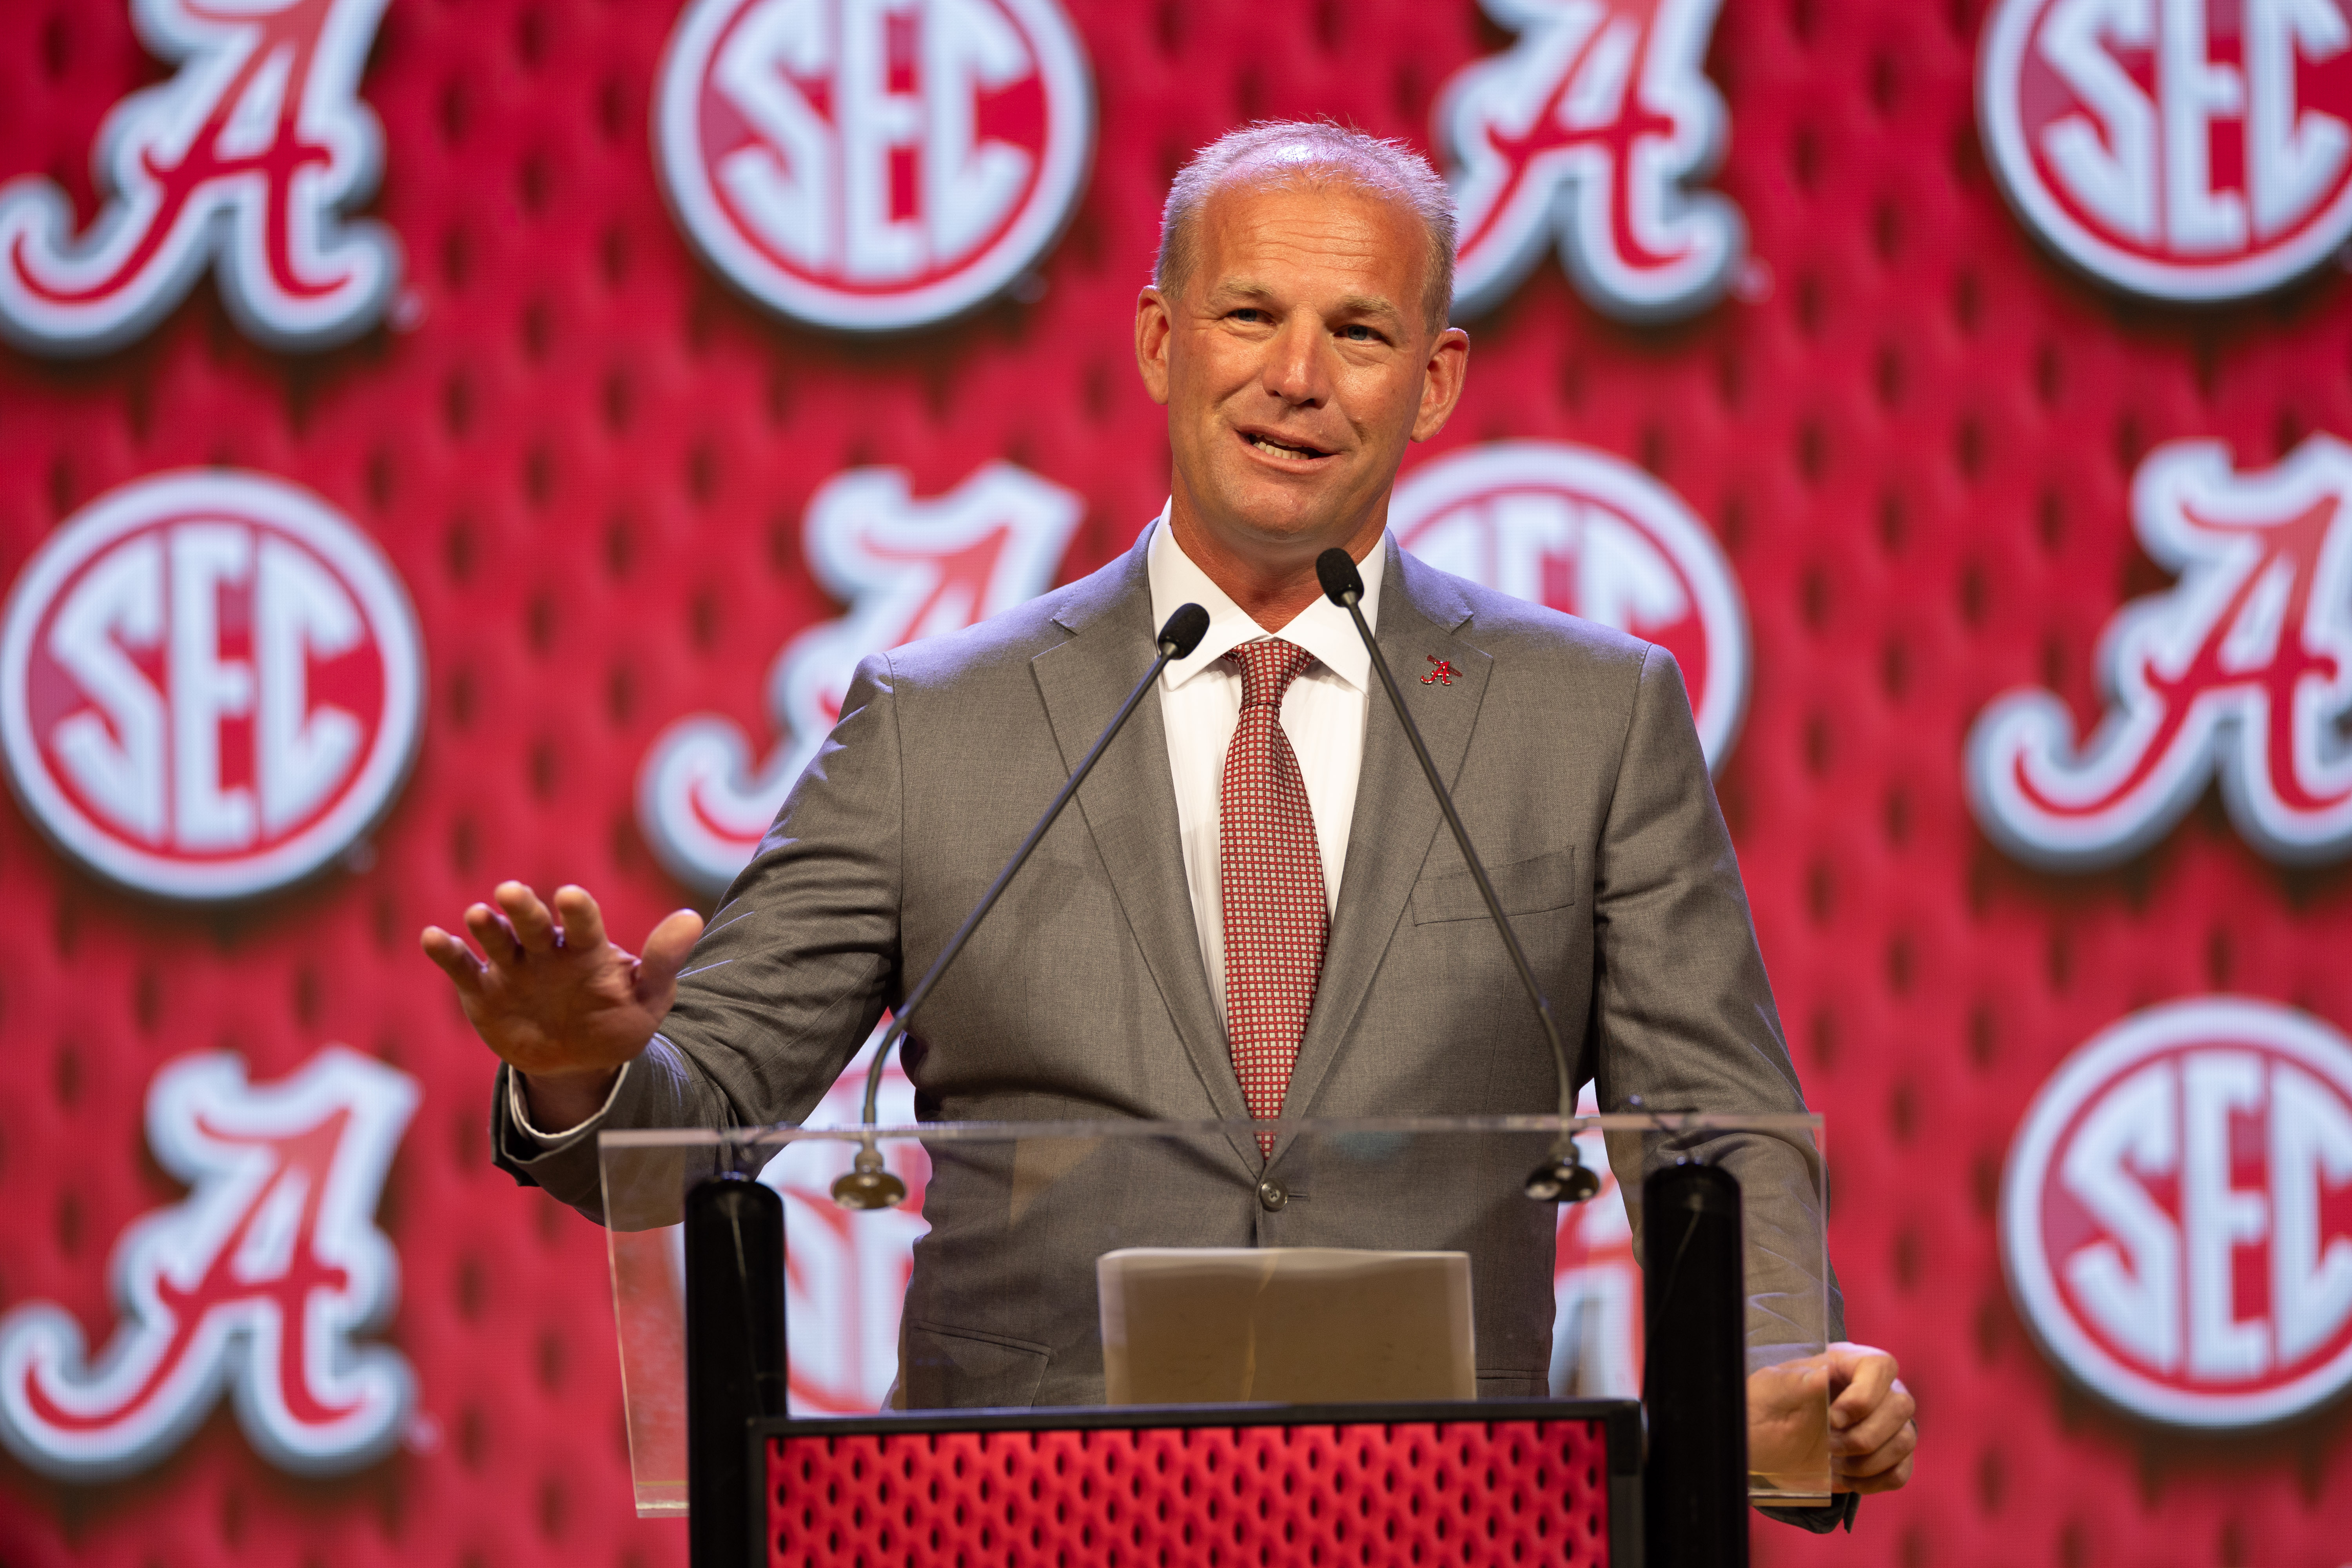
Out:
{"x": 1295, "y": 330}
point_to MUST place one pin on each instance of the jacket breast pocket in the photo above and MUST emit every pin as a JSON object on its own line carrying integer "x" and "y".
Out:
{"x": 1524, "y": 888}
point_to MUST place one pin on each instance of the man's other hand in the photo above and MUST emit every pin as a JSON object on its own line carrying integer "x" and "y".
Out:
{"x": 555, "y": 999}
{"x": 1871, "y": 1435}
{"x": 1870, "y": 1438}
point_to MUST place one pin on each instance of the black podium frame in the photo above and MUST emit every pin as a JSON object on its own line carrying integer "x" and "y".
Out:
{"x": 1688, "y": 1509}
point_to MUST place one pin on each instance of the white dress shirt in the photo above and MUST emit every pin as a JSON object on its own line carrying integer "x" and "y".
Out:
{"x": 1201, "y": 704}
{"x": 1200, "y": 701}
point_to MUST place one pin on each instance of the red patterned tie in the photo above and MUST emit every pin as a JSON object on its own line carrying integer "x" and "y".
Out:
{"x": 1275, "y": 918}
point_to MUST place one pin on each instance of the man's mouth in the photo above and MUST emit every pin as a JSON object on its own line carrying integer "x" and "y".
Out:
{"x": 1273, "y": 447}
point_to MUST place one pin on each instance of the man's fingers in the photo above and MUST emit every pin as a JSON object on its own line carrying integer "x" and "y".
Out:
{"x": 666, "y": 951}
{"x": 1882, "y": 1459}
{"x": 1878, "y": 1426}
{"x": 583, "y": 922}
{"x": 534, "y": 927}
{"x": 1883, "y": 1468}
{"x": 455, "y": 958}
{"x": 1895, "y": 1479}
{"x": 492, "y": 934}
{"x": 1864, "y": 1376}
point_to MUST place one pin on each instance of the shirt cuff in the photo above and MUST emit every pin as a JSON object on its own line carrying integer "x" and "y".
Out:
{"x": 519, "y": 1111}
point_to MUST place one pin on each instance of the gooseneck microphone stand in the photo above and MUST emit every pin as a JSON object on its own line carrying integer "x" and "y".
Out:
{"x": 1563, "y": 1177}
{"x": 868, "y": 1183}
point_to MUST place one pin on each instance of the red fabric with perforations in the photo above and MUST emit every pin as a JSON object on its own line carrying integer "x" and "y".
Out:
{"x": 1473, "y": 1493}
{"x": 588, "y": 459}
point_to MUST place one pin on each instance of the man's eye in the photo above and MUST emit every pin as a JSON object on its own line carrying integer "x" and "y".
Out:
{"x": 1249, "y": 313}
{"x": 1359, "y": 334}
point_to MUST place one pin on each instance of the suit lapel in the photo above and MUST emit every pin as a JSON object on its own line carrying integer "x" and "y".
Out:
{"x": 1129, "y": 808}
{"x": 1396, "y": 820}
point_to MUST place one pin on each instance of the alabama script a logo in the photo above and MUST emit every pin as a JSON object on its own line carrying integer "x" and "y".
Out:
{"x": 2242, "y": 671}
{"x": 907, "y": 569}
{"x": 1588, "y": 132}
{"x": 247, "y": 158}
{"x": 257, "y": 1282}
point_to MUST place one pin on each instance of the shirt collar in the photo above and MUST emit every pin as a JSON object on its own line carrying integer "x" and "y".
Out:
{"x": 1323, "y": 628}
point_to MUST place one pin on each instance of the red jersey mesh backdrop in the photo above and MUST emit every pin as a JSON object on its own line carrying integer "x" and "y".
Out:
{"x": 441, "y": 442}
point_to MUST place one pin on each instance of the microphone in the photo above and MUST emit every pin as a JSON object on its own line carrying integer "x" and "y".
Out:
{"x": 868, "y": 1183}
{"x": 1563, "y": 1177}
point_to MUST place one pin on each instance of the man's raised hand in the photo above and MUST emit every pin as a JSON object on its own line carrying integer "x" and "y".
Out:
{"x": 555, "y": 998}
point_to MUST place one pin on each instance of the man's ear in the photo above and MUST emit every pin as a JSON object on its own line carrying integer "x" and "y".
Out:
{"x": 1441, "y": 386}
{"x": 1154, "y": 325}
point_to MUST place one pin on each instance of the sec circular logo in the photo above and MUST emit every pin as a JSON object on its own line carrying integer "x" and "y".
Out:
{"x": 1591, "y": 534}
{"x": 2192, "y": 150}
{"x": 2176, "y": 1214}
{"x": 873, "y": 165}
{"x": 210, "y": 684}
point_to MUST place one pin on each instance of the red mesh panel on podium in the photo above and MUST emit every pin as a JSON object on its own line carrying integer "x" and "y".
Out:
{"x": 1472, "y": 1493}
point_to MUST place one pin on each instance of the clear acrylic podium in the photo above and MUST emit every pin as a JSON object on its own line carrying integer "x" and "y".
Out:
{"x": 974, "y": 1312}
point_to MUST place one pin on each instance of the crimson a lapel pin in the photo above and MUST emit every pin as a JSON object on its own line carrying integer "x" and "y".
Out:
{"x": 1443, "y": 675}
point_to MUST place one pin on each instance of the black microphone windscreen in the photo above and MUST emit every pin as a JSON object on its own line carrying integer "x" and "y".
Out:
{"x": 1184, "y": 631}
{"x": 1336, "y": 570}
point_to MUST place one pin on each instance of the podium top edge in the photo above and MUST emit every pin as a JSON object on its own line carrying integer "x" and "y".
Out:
{"x": 1665, "y": 1123}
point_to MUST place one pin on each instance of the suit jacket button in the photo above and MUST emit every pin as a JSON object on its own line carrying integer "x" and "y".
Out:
{"x": 1271, "y": 1193}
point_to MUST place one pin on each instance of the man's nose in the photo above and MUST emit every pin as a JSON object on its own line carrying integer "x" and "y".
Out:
{"x": 1295, "y": 371}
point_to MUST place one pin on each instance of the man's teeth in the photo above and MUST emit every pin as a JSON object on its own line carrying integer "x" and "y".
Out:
{"x": 1279, "y": 450}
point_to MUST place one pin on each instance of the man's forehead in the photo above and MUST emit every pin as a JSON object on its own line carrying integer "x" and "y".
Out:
{"x": 1308, "y": 222}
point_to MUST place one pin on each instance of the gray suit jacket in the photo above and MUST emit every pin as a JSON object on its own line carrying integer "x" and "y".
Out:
{"x": 1574, "y": 763}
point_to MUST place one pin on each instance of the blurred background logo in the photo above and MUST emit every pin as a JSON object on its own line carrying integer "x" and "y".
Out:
{"x": 873, "y": 164}
{"x": 2173, "y": 1209}
{"x": 210, "y": 684}
{"x": 2188, "y": 150}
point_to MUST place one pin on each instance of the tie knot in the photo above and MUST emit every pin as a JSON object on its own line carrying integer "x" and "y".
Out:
{"x": 1268, "y": 667}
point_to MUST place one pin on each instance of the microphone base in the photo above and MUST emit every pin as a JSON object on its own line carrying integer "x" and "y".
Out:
{"x": 867, "y": 1184}
{"x": 1563, "y": 1181}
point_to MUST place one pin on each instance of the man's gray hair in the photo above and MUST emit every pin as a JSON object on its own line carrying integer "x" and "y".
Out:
{"x": 1310, "y": 152}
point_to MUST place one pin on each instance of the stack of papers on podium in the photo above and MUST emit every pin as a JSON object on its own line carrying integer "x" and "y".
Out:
{"x": 1295, "y": 1325}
